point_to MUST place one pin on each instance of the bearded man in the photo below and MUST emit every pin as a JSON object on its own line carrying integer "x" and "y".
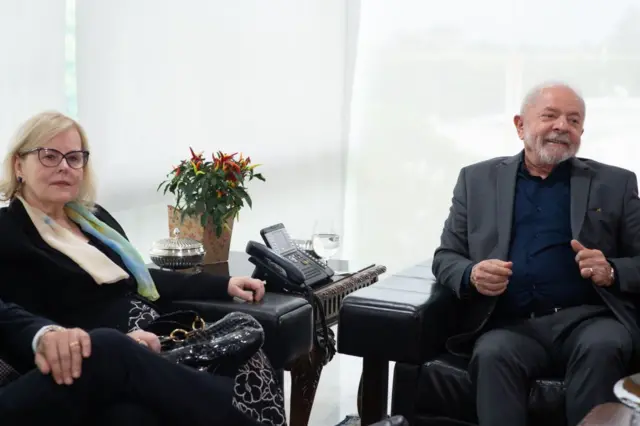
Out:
{"x": 544, "y": 248}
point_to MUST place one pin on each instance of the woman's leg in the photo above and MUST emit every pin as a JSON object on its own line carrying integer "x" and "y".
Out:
{"x": 120, "y": 370}
{"x": 123, "y": 414}
{"x": 257, "y": 392}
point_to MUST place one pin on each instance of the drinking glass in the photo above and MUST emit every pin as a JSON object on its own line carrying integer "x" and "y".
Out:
{"x": 325, "y": 240}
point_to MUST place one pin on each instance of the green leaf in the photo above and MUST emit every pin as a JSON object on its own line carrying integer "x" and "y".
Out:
{"x": 205, "y": 188}
{"x": 200, "y": 206}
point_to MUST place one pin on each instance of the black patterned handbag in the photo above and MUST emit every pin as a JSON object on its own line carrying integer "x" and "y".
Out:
{"x": 187, "y": 339}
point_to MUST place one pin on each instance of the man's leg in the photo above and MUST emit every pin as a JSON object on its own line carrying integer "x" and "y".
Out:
{"x": 502, "y": 365}
{"x": 121, "y": 371}
{"x": 597, "y": 353}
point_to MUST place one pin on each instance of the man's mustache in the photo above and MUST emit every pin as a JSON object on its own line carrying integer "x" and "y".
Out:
{"x": 558, "y": 138}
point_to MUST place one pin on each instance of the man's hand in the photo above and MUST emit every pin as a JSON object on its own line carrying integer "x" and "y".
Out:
{"x": 147, "y": 339}
{"x": 490, "y": 277}
{"x": 60, "y": 353}
{"x": 249, "y": 289}
{"x": 592, "y": 264}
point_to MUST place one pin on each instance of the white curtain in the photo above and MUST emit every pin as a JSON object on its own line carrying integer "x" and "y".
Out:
{"x": 436, "y": 86}
{"x": 263, "y": 78}
{"x": 32, "y": 60}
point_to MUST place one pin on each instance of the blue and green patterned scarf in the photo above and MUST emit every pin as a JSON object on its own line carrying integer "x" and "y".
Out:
{"x": 90, "y": 224}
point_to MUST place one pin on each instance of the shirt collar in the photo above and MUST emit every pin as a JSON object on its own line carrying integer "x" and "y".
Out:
{"x": 561, "y": 171}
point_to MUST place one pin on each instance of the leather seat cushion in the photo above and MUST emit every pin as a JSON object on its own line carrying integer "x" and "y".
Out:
{"x": 445, "y": 390}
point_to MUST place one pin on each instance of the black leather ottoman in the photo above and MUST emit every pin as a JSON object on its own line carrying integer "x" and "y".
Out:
{"x": 287, "y": 322}
{"x": 381, "y": 323}
{"x": 407, "y": 318}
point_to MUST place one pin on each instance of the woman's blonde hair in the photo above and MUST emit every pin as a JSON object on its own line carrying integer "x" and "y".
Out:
{"x": 34, "y": 133}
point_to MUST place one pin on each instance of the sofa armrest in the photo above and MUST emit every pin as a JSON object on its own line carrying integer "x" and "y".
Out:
{"x": 406, "y": 317}
{"x": 287, "y": 322}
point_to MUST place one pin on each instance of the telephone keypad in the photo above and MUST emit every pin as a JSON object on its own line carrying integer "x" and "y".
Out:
{"x": 308, "y": 268}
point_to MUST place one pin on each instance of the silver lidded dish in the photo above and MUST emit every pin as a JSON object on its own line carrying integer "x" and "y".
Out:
{"x": 176, "y": 252}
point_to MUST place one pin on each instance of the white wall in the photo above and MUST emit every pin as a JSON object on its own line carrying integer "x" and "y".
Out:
{"x": 264, "y": 78}
{"x": 32, "y": 65}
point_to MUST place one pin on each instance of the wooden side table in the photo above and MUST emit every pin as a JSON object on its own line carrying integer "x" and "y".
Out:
{"x": 306, "y": 371}
{"x": 611, "y": 414}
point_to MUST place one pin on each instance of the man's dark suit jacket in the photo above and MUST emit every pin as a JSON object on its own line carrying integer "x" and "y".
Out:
{"x": 17, "y": 330}
{"x": 605, "y": 215}
{"x": 49, "y": 284}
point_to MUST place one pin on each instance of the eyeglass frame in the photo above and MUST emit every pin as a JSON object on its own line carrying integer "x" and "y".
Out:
{"x": 85, "y": 156}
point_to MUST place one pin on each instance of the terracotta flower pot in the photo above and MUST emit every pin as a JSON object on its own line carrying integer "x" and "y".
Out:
{"x": 217, "y": 248}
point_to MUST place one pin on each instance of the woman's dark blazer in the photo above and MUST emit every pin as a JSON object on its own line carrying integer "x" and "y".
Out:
{"x": 48, "y": 283}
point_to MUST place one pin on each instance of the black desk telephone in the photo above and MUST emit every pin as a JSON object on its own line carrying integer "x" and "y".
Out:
{"x": 282, "y": 264}
{"x": 288, "y": 269}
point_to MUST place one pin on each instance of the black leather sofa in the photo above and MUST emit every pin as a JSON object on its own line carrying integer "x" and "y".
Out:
{"x": 407, "y": 318}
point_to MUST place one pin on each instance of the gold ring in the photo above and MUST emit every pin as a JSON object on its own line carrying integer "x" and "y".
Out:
{"x": 142, "y": 342}
{"x": 74, "y": 344}
{"x": 591, "y": 270}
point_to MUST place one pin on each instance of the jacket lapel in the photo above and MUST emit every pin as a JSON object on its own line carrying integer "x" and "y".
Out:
{"x": 505, "y": 190}
{"x": 581, "y": 176}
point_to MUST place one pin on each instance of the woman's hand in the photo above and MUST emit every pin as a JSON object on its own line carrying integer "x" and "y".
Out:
{"x": 147, "y": 339}
{"x": 246, "y": 288}
{"x": 60, "y": 353}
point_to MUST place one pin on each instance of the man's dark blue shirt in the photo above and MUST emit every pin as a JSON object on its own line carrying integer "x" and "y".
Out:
{"x": 545, "y": 273}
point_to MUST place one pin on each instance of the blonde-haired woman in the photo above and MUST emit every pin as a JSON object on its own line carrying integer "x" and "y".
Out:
{"x": 59, "y": 131}
{"x": 65, "y": 258}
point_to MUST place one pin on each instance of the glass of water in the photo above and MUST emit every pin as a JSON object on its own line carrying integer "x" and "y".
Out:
{"x": 325, "y": 240}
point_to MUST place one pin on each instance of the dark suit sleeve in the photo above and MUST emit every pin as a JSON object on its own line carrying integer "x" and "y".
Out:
{"x": 181, "y": 286}
{"x": 451, "y": 263}
{"x": 17, "y": 330}
{"x": 627, "y": 266}
{"x": 177, "y": 285}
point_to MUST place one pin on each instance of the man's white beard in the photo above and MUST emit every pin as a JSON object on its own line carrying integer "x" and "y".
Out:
{"x": 546, "y": 155}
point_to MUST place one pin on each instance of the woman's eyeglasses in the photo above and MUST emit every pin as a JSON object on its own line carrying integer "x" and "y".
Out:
{"x": 50, "y": 157}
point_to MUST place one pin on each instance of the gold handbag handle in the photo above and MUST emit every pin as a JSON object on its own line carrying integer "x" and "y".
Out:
{"x": 198, "y": 324}
{"x": 180, "y": 335}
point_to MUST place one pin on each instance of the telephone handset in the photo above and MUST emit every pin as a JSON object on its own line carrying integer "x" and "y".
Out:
{"x": 283, "y": 262}
{"x": 273, "y": 262}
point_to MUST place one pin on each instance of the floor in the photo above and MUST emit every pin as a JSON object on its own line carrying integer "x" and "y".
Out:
{"x": 336, "y": 395}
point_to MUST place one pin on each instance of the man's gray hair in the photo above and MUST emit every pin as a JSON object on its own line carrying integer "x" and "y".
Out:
{"x": 532, "y": 94}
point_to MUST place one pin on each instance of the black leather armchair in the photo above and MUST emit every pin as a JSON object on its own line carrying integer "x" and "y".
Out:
{"x": 407, "y": 318}
{"x": 286, "y": 320}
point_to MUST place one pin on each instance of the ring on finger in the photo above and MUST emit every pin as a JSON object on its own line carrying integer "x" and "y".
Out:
{"x": 74, "y": 344}
{"x": 591, "y": 271}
